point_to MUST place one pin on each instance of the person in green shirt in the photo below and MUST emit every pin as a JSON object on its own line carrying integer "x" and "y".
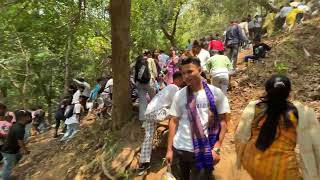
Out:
{"x": 219, "y": 67}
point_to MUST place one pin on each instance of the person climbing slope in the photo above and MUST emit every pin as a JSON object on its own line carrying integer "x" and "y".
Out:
{"x": 220, "y": 66}
{"x": 14, "y": 146}
{"x": 157, "y": 110}
{"x": 259, "y": 51}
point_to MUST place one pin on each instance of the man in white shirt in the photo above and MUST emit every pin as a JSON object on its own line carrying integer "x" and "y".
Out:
{"x": 201, "y": 53}
{"x": 83, "y": 89}
{"x": 73, "y": 122}
{"x": 188, "y": 120}
{"x": 157, "y": 110}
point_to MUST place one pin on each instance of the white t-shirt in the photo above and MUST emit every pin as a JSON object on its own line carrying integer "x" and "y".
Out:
{"x": 87, "y": 89}
{"x": 204, "y": 55}
{"x": 74, "y": 118}
{"x": 162, "y": 99}
{"x": 76, "y": 96}
{"x": 183, "y": 139}
{"x": 108, "y": 87}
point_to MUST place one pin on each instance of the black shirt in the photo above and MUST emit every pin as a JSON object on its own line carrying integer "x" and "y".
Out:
{"x": 16, "y": 133}
{"x": 260, "y": 50}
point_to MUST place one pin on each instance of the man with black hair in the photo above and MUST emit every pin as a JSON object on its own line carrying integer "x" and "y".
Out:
{"x": 157, "y": 110}
{"x": 198, "y": 125}
{"x": 14, "y": 145}
{"x": 201, "y": 53}
{"x": 83, "y": 89}
{"x": 259, "y": 51}
{"x": 234, "y": 38}
{"x": 38, "y": 117}
{"x": 73, "y": 122}
{"x": 59, "y": 115}
{"x": 145, "y": 83}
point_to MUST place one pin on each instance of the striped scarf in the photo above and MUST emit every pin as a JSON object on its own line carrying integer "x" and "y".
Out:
{"x": 203, "y": 144}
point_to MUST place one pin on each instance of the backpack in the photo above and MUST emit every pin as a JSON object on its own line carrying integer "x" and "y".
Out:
{"x": 143, "y": 72}
{"x": 69, "y": 111}
{"x": 231, "y": 34}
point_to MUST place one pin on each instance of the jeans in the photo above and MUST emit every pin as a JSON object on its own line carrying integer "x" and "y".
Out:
{"x": 9, "y": 160}
{"x": 253, "y": 57}
{"x": 233, "y": 54}
{"x": 183, "y": 167}
{"x": 143, "y": 90}
{"x": 72, "y": 130}
{"x": 221, "y": 81}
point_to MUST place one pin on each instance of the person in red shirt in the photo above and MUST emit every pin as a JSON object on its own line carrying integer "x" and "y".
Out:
{"x": 216, "y": 44}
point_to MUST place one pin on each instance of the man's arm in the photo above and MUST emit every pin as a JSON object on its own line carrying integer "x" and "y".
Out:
{"x": 268, "y": 48}
{"x": 173, "y": 124}
{"x": 223, "y": 130}
{"x": 78, "y": 82}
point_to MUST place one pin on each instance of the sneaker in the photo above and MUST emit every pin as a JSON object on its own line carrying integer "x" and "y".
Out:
{"x": 143, "y": 168}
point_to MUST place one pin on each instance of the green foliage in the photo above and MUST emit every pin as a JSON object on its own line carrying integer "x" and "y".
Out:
{"x": 281, "y": 68}
{"x": 34, "y": 39}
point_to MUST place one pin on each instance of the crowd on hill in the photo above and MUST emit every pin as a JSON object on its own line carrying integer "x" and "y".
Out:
{"x": 189, "y": 88}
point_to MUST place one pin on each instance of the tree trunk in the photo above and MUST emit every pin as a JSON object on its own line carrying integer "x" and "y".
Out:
{"x": 24, "y": 89}
{"x": 67, "y": 66}
{"x": 120, "y": 30}
{"x": 171, "y": 36}
{"x": 50, "y": 97}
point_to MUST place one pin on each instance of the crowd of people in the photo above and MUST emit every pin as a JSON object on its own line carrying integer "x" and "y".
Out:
{"x": 198, "y": 114}
{"x": 189, "y": 88}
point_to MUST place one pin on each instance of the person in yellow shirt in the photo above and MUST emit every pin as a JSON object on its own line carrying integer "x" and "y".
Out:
{"x": 152, "y": 66}
{"x": 291, "y": 18}
{"x": 269, "y": 23}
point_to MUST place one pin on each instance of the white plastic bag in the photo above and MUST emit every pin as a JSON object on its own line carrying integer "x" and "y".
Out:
{"x": 168, "y": 175}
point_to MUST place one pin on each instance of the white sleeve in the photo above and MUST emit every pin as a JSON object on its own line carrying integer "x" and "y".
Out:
{"x": 172, "y": 91}
{"x": 87, "y": 85}
{"x": 77, "y": 108}
{"x": 175, "y": 109}
{"x": 222, "y": 102}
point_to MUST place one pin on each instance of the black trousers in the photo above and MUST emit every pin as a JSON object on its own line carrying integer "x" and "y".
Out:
{"x": 183, "y": 167}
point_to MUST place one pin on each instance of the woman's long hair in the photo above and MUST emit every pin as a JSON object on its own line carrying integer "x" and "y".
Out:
{"x": 278, "y": 88}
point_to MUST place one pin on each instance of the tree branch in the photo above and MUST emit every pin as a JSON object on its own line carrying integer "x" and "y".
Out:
{"x": 165, "y": 32}
{"x": 268, "y": 5}
{"x": 174, "y": 29}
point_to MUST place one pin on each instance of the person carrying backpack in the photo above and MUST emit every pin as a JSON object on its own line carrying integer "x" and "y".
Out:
{"x": 72, "y": 115}
{"x": 144, "y": 84}
{"x": 234, "y": 38}
{"x": 39, "y": 119}
{"x": 59, "y": 116}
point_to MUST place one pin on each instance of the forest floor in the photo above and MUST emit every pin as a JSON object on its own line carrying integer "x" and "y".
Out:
{"x": 296, "y": 54}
